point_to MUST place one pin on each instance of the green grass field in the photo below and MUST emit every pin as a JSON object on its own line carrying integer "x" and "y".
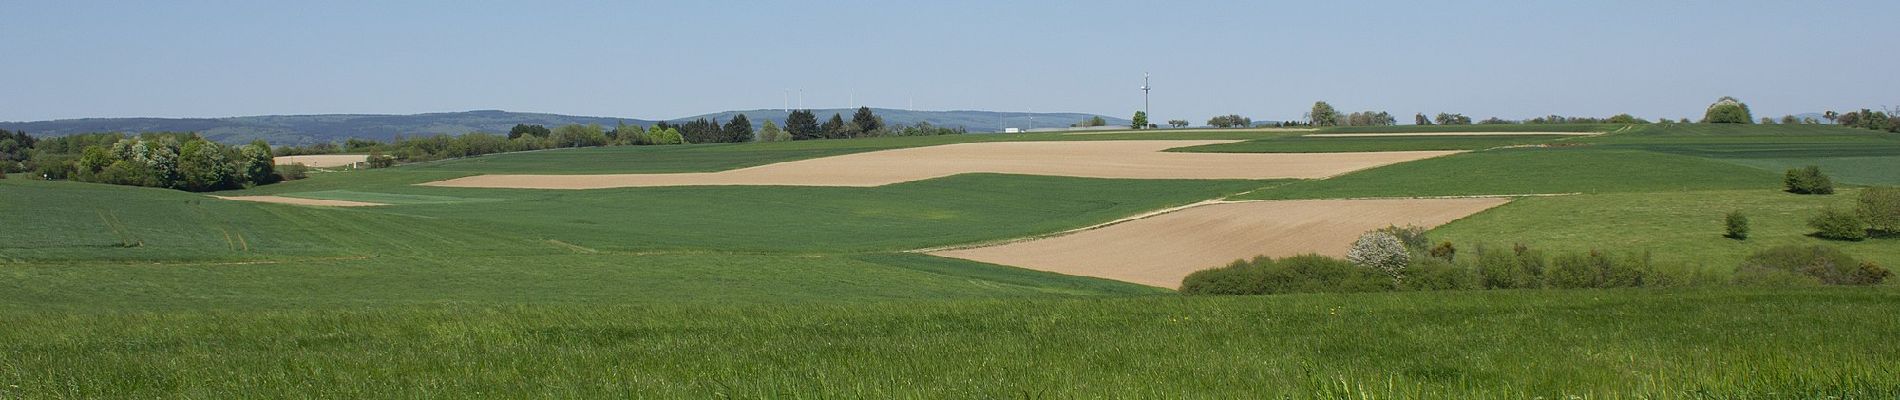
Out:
{"x": 697, "y": 292}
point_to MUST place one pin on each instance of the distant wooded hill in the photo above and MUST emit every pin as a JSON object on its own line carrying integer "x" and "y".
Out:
{"x": 310, "y": 129}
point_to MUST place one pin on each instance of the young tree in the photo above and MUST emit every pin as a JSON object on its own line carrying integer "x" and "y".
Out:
{"x": 802, "y": 125}
{"x": 1727, "y": 110}
{"x": 1323, "y": 115}
{"x": 834, "y": 128}
{"x": 1737, "y": 225}
{"x": 769, "y": 132}
{"x": 1140, "y": 121}
{"x": 738, "y": 130}
{"x": 867, "y": 121}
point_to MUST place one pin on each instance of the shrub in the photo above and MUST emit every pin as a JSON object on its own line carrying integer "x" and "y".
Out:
{"x": 378, "y": 160}
{"x": 1297, "y": 274}
{"x": 292, "y": 172}
{"x": 1737, "y": 226}
{"x": 1879, "y": 208}
{"x": 1570, "y": 271}
{"x": 1238, "y": 278}
{"x": 1380, "y": 251}
{"x": 3, "y": 173}
{"x": 1808, "y": 180}
{"x": 1826, "y": 264}
{"x": 1838, "y": 224}
{"x": 1433, "y": 273}
{"x": 1444, "y": 251}
{"x": 1413, "y": 237}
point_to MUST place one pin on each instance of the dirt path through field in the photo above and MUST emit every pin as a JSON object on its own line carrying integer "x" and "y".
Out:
{"x": 1162, "y": 249}
{"x": 1130, "y": 159}
{"x": 300, "y": 201}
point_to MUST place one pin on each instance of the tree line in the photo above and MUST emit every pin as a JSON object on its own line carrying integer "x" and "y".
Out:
{"x": 174, "y": 160}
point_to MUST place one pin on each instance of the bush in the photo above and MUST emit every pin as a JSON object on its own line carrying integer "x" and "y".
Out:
{"x": 1297, "y": 274}
{"x": 1499, "y": 269}
{"x": 1737, "y": 226}
{"x": 1727, "y": 110}
{"x": 1380, "y": 251}
{"x": 1808, "y": 180}
{"x": 1825, "y": 264}
{"x": 1413, "y": 237}
{"x": 1433, "y": 273}
{"x": 292, "y": 172}
{"x": 376, "y": 159}
{"x": 1238, "y": 278}
{"x": 1879, "y": 208}
{"x": 1597, "y": 269}
{"x": 1444, "y": 251}
{"x": 1837, "y": 224}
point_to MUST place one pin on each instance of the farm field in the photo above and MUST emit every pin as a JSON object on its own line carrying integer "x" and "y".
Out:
{"x": 1160, "y": 250}
{"x": 819, "y": 291}
{"x": 1128, "y": 159}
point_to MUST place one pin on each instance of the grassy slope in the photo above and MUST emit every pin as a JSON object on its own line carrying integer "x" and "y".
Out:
{"x": 1510, "y": 344}
{"x": 1682, "y": 228}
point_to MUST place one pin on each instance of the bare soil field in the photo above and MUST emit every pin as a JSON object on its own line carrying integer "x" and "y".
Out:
{"x": 1162, "y": 249}
{"x": 323, "y": 160}
{"x": 1454, "y": 134}
{"x": 1164, "y": 131}
{"x": 1128, "y": 159}
{"x": 301, "y": 202}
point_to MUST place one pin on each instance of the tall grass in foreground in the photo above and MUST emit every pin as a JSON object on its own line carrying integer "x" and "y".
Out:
{"x": 1814, "y": 343}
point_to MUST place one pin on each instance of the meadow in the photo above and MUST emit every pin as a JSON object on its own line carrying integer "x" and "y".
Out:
{"x": 773, "y": 291}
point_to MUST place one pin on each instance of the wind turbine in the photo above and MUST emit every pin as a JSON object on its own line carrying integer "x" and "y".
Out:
{"x": 1144, "y": 96}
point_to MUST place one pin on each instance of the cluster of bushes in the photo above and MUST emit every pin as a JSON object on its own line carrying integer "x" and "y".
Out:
{"x": 169, "y": 160}
{"x": 1397, "y": 259}
{"x": 1224, "y": 121}
{"x": 1807, "y": 180}
{"x": 1876, "y": 214}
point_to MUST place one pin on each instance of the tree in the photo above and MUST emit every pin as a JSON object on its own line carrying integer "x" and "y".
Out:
{"x": 1727, "y": 110}
{"x": 868, "y": 123}
{"x": 575, "y": 135}
{"x": 203, "y": 166}
{"x": 802, "y": 125}
{"x": 1420, "y": 119}
{"x": 1453, "y": 119}
{"x": 1789, "y": 120}
{"x": 1830, "y": 115}
{"x": 1380, "y": 251}
{"x": 528, "y": 130}
{"x": 1323, "y": 115}
{"x": 1140, "y": 121}
{"x": 259, "y": 167}
{"x": 769, "y": 132}
{"x": 1625, "y": 119}
{"x": 1092, "y": 121}
{"x": 701, "y": 131}
{"x": 1177, "y": 123}
{"x": 835, "y": 127}
{"x": 664, "y": 135}
{"x": 739, "y": 130}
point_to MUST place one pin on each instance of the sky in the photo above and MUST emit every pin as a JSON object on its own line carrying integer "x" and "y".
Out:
{"x": 651, "y": 60}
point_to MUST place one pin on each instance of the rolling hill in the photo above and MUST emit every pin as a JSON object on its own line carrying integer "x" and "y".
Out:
{"x": 308, "y": 129}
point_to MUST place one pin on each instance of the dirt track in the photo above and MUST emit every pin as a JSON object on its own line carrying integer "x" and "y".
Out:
{"x": 322, "y": 160}
{"x": 1162, "y": 249}
{"x": 1454, "y": 134}
{"x": 1132, "y": 159}
{"x": 301, "y": 202}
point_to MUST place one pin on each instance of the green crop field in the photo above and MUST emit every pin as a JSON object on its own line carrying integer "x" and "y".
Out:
{"x": 776, "y": 291}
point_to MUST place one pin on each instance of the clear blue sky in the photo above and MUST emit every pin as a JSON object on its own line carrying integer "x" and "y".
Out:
{"x": 1514, "y": 59}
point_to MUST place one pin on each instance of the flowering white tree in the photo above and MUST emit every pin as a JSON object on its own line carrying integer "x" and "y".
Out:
{"x": 1381, "y": 251}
